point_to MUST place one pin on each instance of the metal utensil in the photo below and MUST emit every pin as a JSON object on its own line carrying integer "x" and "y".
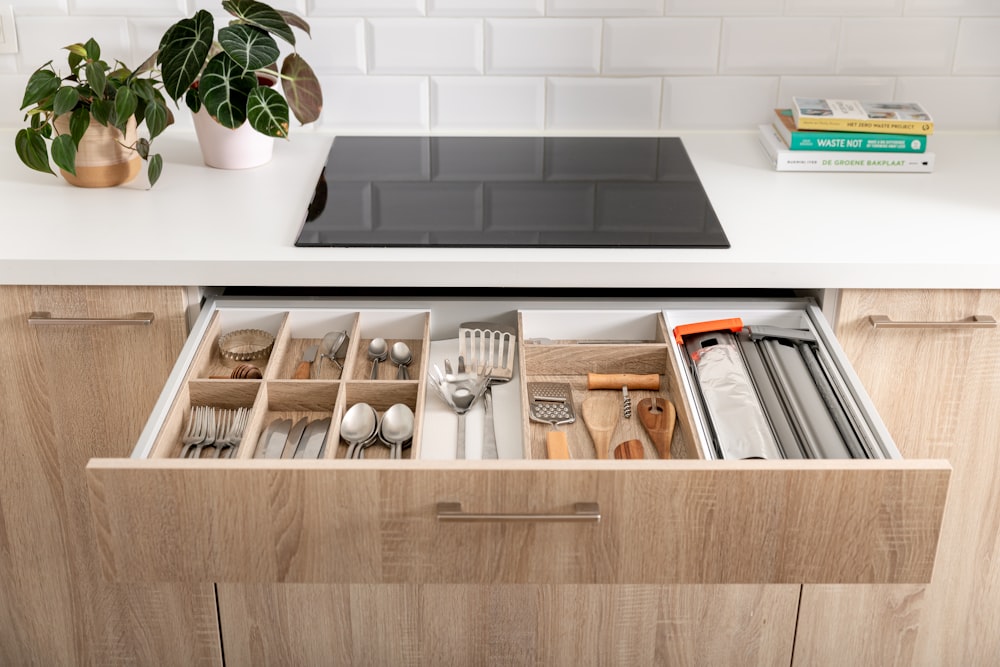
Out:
{"x": 552, "y": 403}
{"x": 274, "y": 439}
{"x": 401, "y": 355}
{"x": 488, "y": 349}
{"x": 358, "y": 427}
{"x": 331, "y": 347}
{"x": 395, "y": 428}
{"x": 290, "y": 448}
{"x": 304, "y": 370}
{"x": 459, "y": 391}
{"x": 378, "y": 350}
{"x": 313, "y": 440}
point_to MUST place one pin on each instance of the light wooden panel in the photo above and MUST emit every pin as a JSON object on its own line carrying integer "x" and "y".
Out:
{"x": 521, "y": 624}
{"x": 69, "y": 393}
{"x": 663, "y": 521}
{"x": 939, "y": 393}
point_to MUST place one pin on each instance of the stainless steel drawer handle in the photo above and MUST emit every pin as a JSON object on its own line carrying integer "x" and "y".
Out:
{"x": 46, "y": 319}
{"x": 582, "y": 513}
{"x": 974, "y": 322}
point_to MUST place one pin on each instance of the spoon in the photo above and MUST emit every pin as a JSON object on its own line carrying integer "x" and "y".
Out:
{"x": 358, "y": 428}
{"x": 401, "y": 356}
{"x": 396, "y": 428}
{"x": 378, "y": 351}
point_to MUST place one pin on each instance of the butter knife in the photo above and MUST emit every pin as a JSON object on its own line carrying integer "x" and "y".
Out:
{"x": 277, "y": 434}
{"x": 293, "y": 441}
{"x": 313, "y": 439}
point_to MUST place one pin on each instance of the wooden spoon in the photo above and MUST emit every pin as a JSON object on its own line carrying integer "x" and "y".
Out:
{"x": 600, "y": 414}
{"x": 630, "y": 449}
{"x": 658, "y": 416}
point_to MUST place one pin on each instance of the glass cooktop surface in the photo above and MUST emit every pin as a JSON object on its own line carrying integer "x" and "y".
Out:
{"x": 524, "y": 192}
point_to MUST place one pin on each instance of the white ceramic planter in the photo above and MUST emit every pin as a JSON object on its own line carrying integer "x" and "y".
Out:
{"x": 223, "y": 148}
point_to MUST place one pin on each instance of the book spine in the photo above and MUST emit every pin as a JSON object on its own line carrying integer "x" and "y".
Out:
{"x": 805, "y": 161}
{"x": 858, "y": 142}
{"x": 804, "y": 122}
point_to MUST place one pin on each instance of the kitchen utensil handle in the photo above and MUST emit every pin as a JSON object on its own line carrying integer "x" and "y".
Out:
{"x": 460, "y": 438}
{"x": 44, "y": 318}
{"x": 302, "y": 371}
{"x": 619, "y": 380}
{"x": 974, "y": 322}
{"x": 557, "y": 445}
{"x": 489, "y": 428}
{"x": 582, "y": 513}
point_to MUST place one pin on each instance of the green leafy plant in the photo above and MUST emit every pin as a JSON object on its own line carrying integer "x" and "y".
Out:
{"x": 91, "y": 90}
{"x": 230, "y": 77}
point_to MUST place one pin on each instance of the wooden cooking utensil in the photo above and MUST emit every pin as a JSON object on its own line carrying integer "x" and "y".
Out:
{"x": 600, "y": 414}
{"x": 241, "y": 372}
{"x": 630, "y": 449}
{"x": 657, "y": 416}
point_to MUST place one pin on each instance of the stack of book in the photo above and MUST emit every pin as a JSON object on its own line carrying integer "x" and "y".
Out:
{"x": 847, "y": 135}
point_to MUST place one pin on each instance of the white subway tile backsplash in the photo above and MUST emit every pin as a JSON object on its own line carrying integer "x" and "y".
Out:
{"x": 836, "y": 87}
{"x": 39, "y": 7}
{"x": 425, "y": 46}
{"x": 543, "y": 46}
{"x": 779, "y": 45}
{"x": 978, "y": 49}
{"x": 375, "y": 103}
{"x": 723, "y": 7}
{"x": 952, "y": 8}
{"x": 365, "y": 7}
{"x": 585, "y": 103}
{"x": 42, "y": 38}
{"x": 604, "y": 7}
{"x": 486, "y": 7}
{"x": 719, "y": 102}
{"x": 501, "y": 104}
{"x": 337, "y": 46}
{"x": 176, "y": 8}
{"x": 144, "y": 37}
{"x": 12, "y": 90}
{"x": 661, "y": 46}
{"x": 897, "y": 46}
{"x": 844, "y": 7}
{"x": 955, "y": 103}
{"x": 215, "y": 6}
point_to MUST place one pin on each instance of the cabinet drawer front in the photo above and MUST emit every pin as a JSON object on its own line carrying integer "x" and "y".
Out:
{"x": 660, "y": 522}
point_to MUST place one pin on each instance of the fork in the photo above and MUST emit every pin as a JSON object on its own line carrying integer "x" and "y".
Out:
{"x": 210, "y": 433}
{"x": 234, "y": 434}
{"x": 195, "y": 433}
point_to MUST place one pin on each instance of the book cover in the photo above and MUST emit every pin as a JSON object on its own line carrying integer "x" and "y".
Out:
{"x": 813, "y": 113}
{"x": 820, "y": 140}
{"x": 785, "y": 159}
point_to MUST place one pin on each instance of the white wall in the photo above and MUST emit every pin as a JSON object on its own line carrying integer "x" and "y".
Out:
{"x": 580, "y": 65}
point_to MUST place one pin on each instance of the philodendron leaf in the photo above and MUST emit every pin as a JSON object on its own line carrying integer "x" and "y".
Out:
{"x": 183, "y": 51}
{"x": 93, "y": 49}
{"x": 77, "y": 50}
{"x": 65, "y": 100}
{"x": 31, "y": 149}
{"x": 263, "y": 16}
{"x": 295, "y": 21}
{"x": 267, "y": 112}
{"x": 64, "y": 153}
{"x": 41, "y": 85}
{"x": 78, "y": 124}
{"x": 125, "y": 105}
{"x": 142, "y": 148}
{"x": 101, "y": 110}
{"x": 305, "y": 96}
{"x": 224, "y": 88}
{"x": 193, "y": 100}
{"x": 96, "y": 77}
{"x": 156, "y": 118}
{"x": 155, "y": 168}
{"x": 250, "y": 47}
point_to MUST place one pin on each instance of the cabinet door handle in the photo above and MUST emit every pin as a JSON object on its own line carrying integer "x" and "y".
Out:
{"x": 974, "y": 322}
{"x": 45, "y": 319}
{"x": 582, "y": 513}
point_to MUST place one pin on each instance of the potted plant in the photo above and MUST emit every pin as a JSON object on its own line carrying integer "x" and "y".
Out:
{"x": 91, "y": 117}
{"x": 229, "y": 82}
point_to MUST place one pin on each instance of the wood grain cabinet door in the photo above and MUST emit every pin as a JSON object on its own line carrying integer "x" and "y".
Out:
{"x": 72, "y": 391}
{"x": 937, "y": 388}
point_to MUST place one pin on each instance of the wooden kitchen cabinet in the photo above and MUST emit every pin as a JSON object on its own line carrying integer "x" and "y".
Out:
{"x": 73, "y": 391}
{"x": 938, "y": 390}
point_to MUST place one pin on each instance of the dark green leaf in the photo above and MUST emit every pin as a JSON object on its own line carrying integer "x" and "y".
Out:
{"x": 302, "y": 88}
{"x": 75, "y": 60}
{"x": 41, "y": 85}
{"x": 64, "y": 153}
{"x": 144, "y": 89}
{"x": 101, "y": 110}
{"x": 193, "y": 100}
{"x": 93, "y": 49}
{"x": 155, "y": 169}
{"x": 295, "y": 21}
{"x": 142, "y": 148}
{"x": 267, "y": 112}
{"x": 263, "y": 16}
{"x": 250, "y": 47}
{"x": 224, "y": 88}
{"x": 31, "y": 149}
{"x": 65, "y": 100}
{"x": 183, "y": 51}
{"x": 96, "y": 78}
{"x": 78, "y": 124}
{"x": 125, "y": 105}
{"x": 156, "y": 118}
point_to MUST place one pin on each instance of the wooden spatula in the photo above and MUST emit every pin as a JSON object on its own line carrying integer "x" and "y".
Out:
{"x": 600, "y": 414}
{"x": 657, "y": 416}
{"x": 630, "y": 449}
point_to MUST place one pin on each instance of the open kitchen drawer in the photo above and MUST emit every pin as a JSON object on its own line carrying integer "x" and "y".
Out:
{"x": 429, "y": 518}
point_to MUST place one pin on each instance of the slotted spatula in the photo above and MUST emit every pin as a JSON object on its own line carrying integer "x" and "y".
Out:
{"x": 488, "y": 348}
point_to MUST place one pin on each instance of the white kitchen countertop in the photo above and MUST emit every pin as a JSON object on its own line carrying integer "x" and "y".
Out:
{"x": 201, "y": 226}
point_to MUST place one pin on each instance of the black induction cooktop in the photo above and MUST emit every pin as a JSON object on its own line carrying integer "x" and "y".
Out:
{"x": 523, "y": 192}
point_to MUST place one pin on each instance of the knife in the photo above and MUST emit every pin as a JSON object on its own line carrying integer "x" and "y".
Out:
{"x": 304, "y": 370}
{"x": 277, "y": 434}
{"x": 314, "y": 438}
{"x": 293, "y": 440}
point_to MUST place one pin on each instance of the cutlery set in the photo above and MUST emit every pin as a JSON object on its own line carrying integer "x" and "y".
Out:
{"x": 217, "y": 429}
{"x": 305, "y": 439}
